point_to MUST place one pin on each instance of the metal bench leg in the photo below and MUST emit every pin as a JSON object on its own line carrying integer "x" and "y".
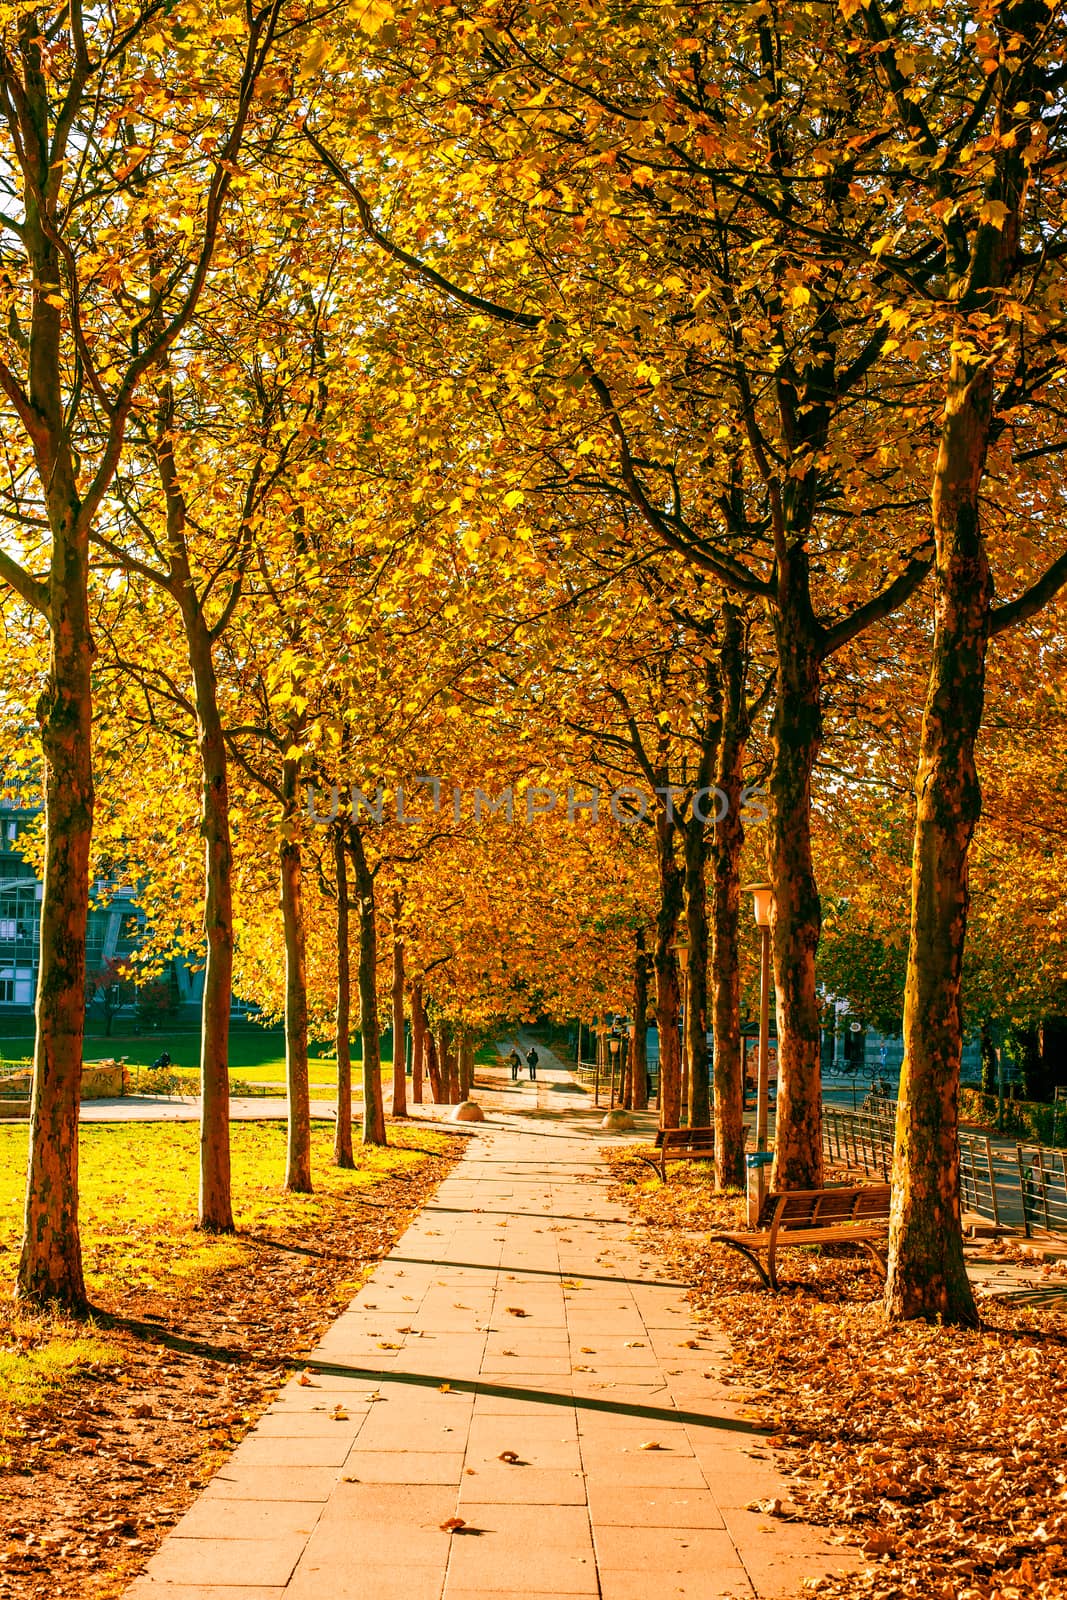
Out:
{"x": 749, "y": 1255}
{"x": 877, "y": 1256}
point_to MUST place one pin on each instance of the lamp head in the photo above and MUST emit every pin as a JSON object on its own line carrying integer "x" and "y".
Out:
{"x": 762, "y": 901}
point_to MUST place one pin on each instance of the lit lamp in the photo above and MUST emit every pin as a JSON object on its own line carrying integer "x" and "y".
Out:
{"x": 762, "y": 903}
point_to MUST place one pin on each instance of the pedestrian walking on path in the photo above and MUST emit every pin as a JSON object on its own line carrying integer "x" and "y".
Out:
{"x": 515, "y": 1061}
{"x": 532, "y": 1059}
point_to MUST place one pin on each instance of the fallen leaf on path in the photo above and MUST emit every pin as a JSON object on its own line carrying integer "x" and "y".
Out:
{"x": 652, "y": 1445}
{"x": 774, "y": 1507}
{"x": 453, "y": 1524}
{"x": 517, "y": 1311}
{"x": 512, "y": 1458}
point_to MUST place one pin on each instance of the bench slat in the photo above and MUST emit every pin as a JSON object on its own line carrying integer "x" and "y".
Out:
{"x": 858, "y": 1214}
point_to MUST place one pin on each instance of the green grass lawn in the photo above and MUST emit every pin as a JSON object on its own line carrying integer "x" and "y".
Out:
{"x": 138, "y": 1214}
{"x": 257, "y": 1055}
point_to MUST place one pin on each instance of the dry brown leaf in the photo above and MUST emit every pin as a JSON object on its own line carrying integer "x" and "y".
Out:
{"x": 517, "y": 1311}
{"x": 453, "y": 1525}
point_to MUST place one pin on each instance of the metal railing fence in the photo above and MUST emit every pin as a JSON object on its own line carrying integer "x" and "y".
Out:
{"x": 1011, "y": 1185}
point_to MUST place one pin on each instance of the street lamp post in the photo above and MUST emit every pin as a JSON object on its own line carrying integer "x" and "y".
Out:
{"x": 762, "y": 901}
{"x": 613, "y": 1046}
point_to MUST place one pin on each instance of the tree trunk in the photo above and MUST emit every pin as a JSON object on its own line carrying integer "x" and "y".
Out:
{"x": 796, "y": 916}
{"x": 447, "y": 1056}
{"x": 442, "y": 1062}
{"x": 729, "y": 837}
{"x": 696, "y": 1021}
{"x": 466, "y": 1064}
{"x": 298, "y": 1145}
{"x": 373, "y": 1104}
{"x": 671, "y": 882}
{"x": 927, "y": 1276}
{"x": 400, "y": 1087}
{"x": 639, "y": 1028}
{"x": 216, "y": 1206}
{"x": 50, "y": 1265}
{"x": 343, "y": 1153}
{"x": 418, "y": 1042}
{"x": 433, "y": 1068}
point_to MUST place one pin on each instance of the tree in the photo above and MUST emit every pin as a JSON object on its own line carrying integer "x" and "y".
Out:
{"x": 108, "y": 984}
{"x": 86, "y": 322}
{"x": 777, "y": 360}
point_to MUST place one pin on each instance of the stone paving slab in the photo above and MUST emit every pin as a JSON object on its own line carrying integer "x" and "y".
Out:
{"x": 500, "y": 1378}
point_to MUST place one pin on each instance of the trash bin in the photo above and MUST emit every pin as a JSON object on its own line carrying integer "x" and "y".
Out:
{"x": 757, "y": 1181}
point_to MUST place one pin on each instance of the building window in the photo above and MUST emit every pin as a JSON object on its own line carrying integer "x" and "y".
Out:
{"x": 8, "y": 928}
{"x": 7, "y": 987}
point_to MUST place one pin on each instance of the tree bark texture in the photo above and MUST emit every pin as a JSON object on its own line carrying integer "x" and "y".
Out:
{"x": 671, "y": 887}
{"x": 343, "y": 1153}
{"x": 927, "y": 1276}
{"x": 727, "y": 843}
{"x": 298, "y": 1144}
{"x": 215, "y": 1204}
{"x": 50, "y": 1265}
{"x": 639, "y": 1027}
{"x": 418, "y": 1042}
{"x": 796, "y": 916}
{"x": 400, "y": 1086}
{"x": 433, "y": 1068}
{"x": 373, "y": 1104}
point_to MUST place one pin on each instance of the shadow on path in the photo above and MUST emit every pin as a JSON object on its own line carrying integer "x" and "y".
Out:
{"x": 546, "y": 1397}
{"x": 538, "y": 1272}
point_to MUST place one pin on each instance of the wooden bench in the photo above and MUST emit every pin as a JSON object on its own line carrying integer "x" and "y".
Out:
{"x": 680, "y": 1144}
{"x": 858, "y": 1215}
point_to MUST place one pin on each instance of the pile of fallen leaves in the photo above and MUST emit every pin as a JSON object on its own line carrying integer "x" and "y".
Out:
{"x": 941, "y": 1452}
{"x": 100, "y": 1471}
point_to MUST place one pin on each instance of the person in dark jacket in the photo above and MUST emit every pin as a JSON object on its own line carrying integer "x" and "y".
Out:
{"x": 532, "y": 1059}
{"x": 515, "y": 1062}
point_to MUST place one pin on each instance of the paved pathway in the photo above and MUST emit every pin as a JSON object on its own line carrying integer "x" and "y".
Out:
{"x": 519, "y": 1363}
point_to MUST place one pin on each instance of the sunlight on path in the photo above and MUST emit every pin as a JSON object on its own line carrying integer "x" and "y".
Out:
{"x": 516, "y": 1404}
